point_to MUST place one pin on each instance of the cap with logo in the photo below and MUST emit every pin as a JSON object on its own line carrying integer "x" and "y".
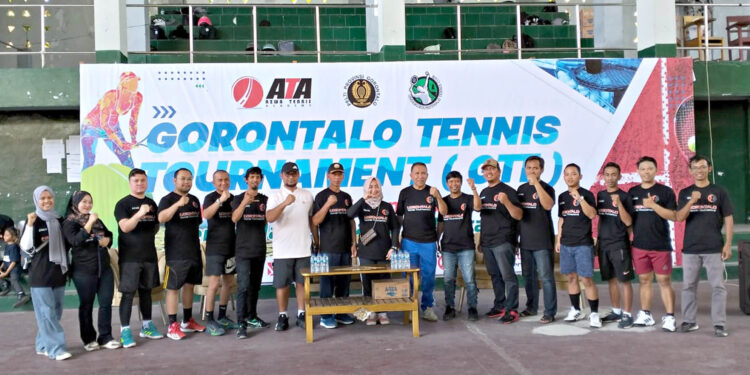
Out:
{"x": 490, "y": 163}
{"x": 335, "y": 167}
{"x": 290, "y": 167}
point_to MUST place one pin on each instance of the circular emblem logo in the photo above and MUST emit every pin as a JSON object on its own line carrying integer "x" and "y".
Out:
{"x": 429, "y": 199}
{"x": 496, "y": 197}
{"x": 614, "y": 204}
{"x": 534, "y": 196}
{"x": 463, "y": 206}
{"x": 247, "y": 92}
{"x": 711, "y": 198}
{"x": 425, "y": 91}
{"x": 384, "y": 212}
{"x": 575, "y": 203}
{"x": 262, "y": 207}
{"x": 362, "y": 92}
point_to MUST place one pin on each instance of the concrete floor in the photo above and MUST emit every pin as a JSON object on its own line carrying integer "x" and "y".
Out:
{"x": 455, "y": 347}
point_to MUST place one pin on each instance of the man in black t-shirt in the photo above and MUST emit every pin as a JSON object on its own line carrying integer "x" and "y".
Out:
{"x": 613, "y": 240}
{"x": 705, "y": 207}
{"x": 575, "y": 210}
{"x": 500, "y": 212}
{"x": 217, "y": 209}
{"x": 181, "y": 214}
{"x": 249, "y": 212}
{"x": 537, "y": 240}
{"x": 333, "y": 235}
{"x": 139, "y": 272}
{"x": 653, "y": 205}
{"x": 416, "y": 212}
{"x": 457, "y": 244}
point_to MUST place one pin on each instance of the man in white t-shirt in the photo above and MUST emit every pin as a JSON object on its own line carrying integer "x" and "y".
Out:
{"x": 289, "y": 211}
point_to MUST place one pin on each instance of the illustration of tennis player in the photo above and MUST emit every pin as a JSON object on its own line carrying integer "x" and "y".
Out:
{"x": 104, "y": 121}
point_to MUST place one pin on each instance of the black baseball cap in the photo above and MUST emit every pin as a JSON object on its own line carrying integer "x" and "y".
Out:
{"x": 335, "y": 167}
{"x": 290, "y": 167}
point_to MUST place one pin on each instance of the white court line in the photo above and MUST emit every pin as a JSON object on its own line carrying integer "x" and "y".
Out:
{"x": 512, "y": 362}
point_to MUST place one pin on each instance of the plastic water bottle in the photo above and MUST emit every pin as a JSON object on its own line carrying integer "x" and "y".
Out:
{"x": 406, "y": 262}
{"x": 325, "y": 263}
{"x": 400, "y": 259}
{"x": 314, "y": 264}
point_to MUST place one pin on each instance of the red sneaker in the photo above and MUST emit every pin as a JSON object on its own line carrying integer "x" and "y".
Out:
{"x": 510, "y": 317}
{"x": 174, "y": 332}
{"x": 192, "y": 326}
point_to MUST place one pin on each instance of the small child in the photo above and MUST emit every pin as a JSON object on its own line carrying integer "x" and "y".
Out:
{"x": 11, "y": 266}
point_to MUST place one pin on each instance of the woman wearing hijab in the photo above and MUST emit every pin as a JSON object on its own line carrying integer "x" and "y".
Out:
{"x": 92, "y": 274}
{"x": 378, "y": 217}
{"x": 43, "y": 237}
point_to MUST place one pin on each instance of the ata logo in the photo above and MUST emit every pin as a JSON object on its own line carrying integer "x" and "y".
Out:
{"x": 290, "y": 92}
{"x": 361, "y": 91}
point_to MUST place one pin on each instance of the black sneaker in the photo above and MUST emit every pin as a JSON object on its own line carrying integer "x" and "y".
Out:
{"x": 686, "y": 327}
{"x": 526, "y": 313}
{"x": 612, "y": 317}
{"x": 719, "y": 331}
{"x": 22, "y": 300}
{"x": 300, "y": 320}
{"x": 495, "y": 313}
{"x": 546, "y": 319}
{"x": 449, "y": 314}
{"x": 473, "y": 314}
{"x": 283, "y": 323}
{"x": 625, "y": 322}
{"x": 241, "y": 332}
{"x": 509, "y": 317}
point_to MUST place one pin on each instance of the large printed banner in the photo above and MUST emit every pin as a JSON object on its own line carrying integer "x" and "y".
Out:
{"x": 379, "y": 118}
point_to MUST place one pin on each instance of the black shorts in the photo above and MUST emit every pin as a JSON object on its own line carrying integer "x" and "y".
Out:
{"x": 217, "y": 265}
{"x": 288, "y": 271}
{"x": 184, "y": 271}
{"x": 138, "y": 275}
{"x": 616, "y": 262}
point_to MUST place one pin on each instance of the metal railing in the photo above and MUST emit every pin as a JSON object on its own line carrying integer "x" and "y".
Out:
{"x": 704, "y": 10}
{"x": 191, "y": 47}
{"x": 43, "y": 51}
{"x": 520, "y": 50}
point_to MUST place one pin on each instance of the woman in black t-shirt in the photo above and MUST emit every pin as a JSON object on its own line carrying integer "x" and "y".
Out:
{"x": 92, "y": 274}
{"x": 43, "y": 238}
{"x": 378, "y": 216}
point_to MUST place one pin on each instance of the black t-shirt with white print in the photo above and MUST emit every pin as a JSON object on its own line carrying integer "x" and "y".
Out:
{"x": 703, "y": 225}
{"x": 613, "y": 233}
{"x": 251, "y": 229}
{"x": 535, "y": 228}
{"x": 576, "y": 227}
{"x": 181, "y": 239}
{"x": 650, "y": 231}
{"x": 43, "y": 273}
{"x": 497, "y": 226}
{"x": 138, "y": 245}
{"x": 220, "y": 236}
{"x": 335, "y": 230}
{"x": 418, "y": 209}
{"x": 458, "y": 233}
{"x": 383, "y": 221}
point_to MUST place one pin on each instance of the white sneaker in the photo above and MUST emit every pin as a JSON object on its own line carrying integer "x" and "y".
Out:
{"x": 595, "y": 321}
{"x": 112, "y": 344}
{"x": 90, "y": 347}
{"x": 573, "y": 315}
{"x": 644, "y": 319}
{"x": 429, "y": 315}
{"x": 63, "y": 356}
{"x": 44, "y": 353}
{"x": 668, "y": 323}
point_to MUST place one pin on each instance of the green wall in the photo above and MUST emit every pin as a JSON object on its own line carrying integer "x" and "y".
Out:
{"x": 23, "y": 168}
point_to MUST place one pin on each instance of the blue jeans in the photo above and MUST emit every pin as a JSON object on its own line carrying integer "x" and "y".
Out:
{"x": 424, "y": 256}
{"x": 337, "y": 286}
{"x": 533, "y": 261}
{"x": 500, "y": 261}
{"x": 464, "y": 259}
{"x": 48, "y": 308}
{"x": 578, "y": 259}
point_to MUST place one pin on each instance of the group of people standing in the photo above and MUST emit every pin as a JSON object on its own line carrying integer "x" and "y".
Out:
{"x": 511, "y": 220}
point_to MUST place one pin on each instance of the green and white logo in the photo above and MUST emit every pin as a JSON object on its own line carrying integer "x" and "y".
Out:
{"x": 425, "y": 91}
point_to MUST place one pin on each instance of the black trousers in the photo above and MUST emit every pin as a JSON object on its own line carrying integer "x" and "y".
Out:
{"x": 249, "y": 277}
{"x": 89, "y": 287}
